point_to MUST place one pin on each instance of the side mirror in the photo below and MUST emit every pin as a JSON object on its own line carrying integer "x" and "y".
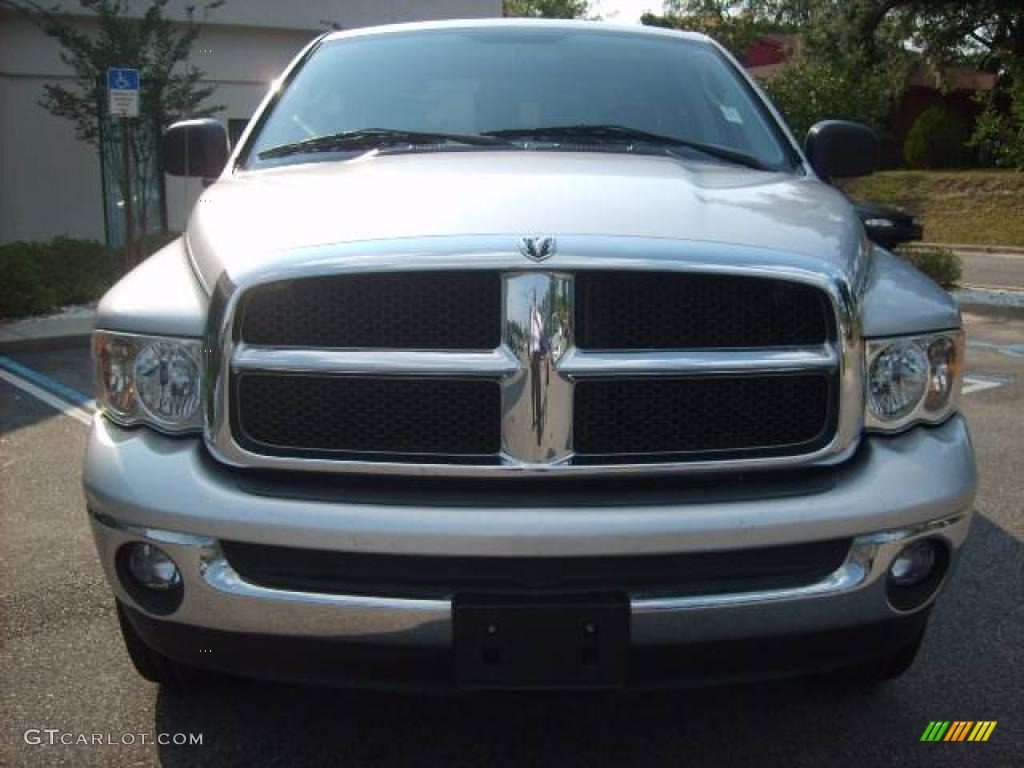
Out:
{"x": 838, "y": 149}
{"x": 196, "y": 148}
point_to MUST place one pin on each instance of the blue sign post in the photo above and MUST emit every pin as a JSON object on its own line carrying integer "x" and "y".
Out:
{"x": 123, "y": 103}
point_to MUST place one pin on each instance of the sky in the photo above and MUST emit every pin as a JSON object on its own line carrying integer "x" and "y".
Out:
{"x": 625, "y": 11}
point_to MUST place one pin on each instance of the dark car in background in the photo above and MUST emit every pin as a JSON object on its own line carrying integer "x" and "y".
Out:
{"x": 888, "y": 227}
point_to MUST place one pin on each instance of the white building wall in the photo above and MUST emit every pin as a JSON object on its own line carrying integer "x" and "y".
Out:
{"x": 242, "y": 61}
{"x": 50, "y": 182}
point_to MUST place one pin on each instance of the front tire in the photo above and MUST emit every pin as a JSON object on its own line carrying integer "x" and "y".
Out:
{"x": 154, "y": 666}
{"x": 888, "y": 667}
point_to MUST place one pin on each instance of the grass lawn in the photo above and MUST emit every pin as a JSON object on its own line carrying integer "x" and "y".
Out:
{"x": 982, "y": 207}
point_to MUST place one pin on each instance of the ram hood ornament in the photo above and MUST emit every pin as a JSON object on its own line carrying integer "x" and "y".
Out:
{"x": 537, "y": 248}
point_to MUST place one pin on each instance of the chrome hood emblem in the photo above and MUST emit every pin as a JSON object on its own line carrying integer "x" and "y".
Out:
{"x": 537, "y": 248}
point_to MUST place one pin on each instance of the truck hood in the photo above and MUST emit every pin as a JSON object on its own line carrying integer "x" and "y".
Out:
{"x": 249, "y": 221}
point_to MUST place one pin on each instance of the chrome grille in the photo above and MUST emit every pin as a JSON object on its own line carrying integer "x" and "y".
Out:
{"x": 555, "y": 405}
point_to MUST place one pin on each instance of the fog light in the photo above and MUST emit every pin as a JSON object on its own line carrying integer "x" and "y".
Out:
{"x": 913, "y": 564}
{"x": 152, "y": 567}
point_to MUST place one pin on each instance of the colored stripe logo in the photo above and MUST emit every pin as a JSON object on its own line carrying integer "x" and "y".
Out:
{"x": 958, "y": 730}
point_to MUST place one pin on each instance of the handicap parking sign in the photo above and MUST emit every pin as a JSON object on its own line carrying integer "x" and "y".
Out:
{"x": 123, "y": 92}
{"x": 122, "y": 79}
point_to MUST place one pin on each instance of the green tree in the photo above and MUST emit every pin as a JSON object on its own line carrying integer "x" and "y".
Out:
{"x": 854, "y": 56}
{"x": 170, "y": 87}
{"x": 891, "y": 38}
{"x": 948, "y": 31}
{"x": 736, "y": 24}
{"x": 547, "y": 9}
{"x": 943, "y": 31}
{"x": 807, "y": 90}
{"x": 998, "y": 136}
{"x": 830, "y": 72}
{"x": 988, "y": 34}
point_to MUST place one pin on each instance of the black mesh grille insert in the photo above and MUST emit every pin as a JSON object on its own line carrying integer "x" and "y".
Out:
{"x": 414, "y": 310}
{"x": 641, "y": 419}
{"x": 768, "y": 415}
{"x": 670, "y": 310}
{"x": 296, "y": 414}
{"x": 432, "y": 576}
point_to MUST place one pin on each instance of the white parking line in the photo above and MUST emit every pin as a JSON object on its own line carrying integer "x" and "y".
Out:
{"x": 974, "y": 384}
{"x": 68, "y": 409}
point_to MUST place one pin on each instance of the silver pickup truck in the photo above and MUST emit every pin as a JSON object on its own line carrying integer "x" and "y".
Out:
{"x": 525, "y": 354}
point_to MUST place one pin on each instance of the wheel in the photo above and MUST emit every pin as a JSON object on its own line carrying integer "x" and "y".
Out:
{"x": 887, "y": 667}
{"x": 154, "y": 666}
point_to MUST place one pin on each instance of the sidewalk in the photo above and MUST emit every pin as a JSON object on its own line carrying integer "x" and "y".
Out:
{"x": 996, "y": 270}
{"x": 69, "y": 323}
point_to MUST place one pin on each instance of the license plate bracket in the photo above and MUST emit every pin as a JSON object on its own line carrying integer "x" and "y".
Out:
{"x": 531, "y": 642}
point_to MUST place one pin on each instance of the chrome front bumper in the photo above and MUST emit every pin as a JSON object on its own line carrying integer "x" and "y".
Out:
{"x": 216, "y": 597}
{"x": 919, "y": 484}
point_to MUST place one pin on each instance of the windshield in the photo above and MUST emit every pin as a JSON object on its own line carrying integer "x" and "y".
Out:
{"x": 474, "y": 81}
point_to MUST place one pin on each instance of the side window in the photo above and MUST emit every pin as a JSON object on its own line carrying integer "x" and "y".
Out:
{"x": 236, "y": 126}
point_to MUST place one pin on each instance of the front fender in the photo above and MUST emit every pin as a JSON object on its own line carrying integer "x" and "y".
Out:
{"x": 161, "y": 296}
{"x": 898, "y": 300}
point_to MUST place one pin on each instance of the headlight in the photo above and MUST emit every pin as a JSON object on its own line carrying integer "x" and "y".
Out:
{"x": 913, "y": 379}
{"x": 897, "y": 377}
{"x": 150, "y": 380}
{"x": 879, "y": 223}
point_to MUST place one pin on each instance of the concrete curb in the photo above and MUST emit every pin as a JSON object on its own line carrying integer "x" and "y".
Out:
{"x": 60, "y": 329}
{"x": 45, "y": 343}
{"x": 993, "y": 311}
{"x": 991, "y": 302}
{"x": 968, "y": 248}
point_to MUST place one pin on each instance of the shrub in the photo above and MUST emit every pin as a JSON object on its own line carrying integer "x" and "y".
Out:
{"x": 24, "y": 289}
{"x": 42, "y": 277}
{"x": 152, "y": 242}
{"x": 937, "y": 139}
{"x": 80, "y": 270}
{"x": 940, "y": 264}
{"x": 998, "y": 134}
{"x": 807, "y": 91}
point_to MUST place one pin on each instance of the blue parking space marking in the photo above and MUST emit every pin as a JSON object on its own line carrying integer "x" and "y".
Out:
{"x": 1010, "y": 350}
{"x": 51, "y": 385}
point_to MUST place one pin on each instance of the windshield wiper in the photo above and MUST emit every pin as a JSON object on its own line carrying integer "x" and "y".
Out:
{"x": 370, "y": 138}
{"x": 621, "y": 133}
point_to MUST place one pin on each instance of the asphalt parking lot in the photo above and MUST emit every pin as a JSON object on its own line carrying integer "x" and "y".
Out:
{"x": 64, "y": 667}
